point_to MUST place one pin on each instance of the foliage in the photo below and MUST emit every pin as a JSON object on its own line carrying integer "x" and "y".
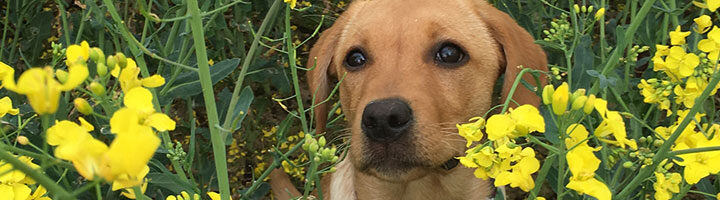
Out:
{"x": 106, "y": 99}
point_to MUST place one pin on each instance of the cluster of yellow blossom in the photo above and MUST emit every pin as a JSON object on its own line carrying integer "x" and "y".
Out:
{"x": 185, "y": 196}
{"x": 687, "y": 74}
{"x": 124, "y": 162}
{"x": 697, "y": 165}
{"x": 503, "y": 160}
{"x": 508, "y": 163}
{"x": 612, "y": 124}
{"x": 14, "y": 184}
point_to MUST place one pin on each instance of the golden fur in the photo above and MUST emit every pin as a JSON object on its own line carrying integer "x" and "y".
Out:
{"x": 398, "y": 37}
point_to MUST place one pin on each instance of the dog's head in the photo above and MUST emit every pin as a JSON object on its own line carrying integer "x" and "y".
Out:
{"x": 414, "y": 69}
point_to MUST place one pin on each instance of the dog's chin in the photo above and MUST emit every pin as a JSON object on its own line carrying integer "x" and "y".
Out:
{"x": 392, "y": 162}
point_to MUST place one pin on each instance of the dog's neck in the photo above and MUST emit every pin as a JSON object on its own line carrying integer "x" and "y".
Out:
{"x": 459, "y": 183}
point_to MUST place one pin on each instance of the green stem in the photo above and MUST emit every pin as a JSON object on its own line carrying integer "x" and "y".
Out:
{"x": 694, "y": 150}
{"x": 43, "y": 180}
{"x": 269, "y": 17}
{"x": 622, "y": 44}
{"x": 514, "y": 87}
{"x": 143, "y": 68}
{"x": 216, "y": 136}
{"x": 540, "y": 179}
{"x": 663, "y": 151}
{"x": 293, "y": 70}
{"x": 63, "y": 18}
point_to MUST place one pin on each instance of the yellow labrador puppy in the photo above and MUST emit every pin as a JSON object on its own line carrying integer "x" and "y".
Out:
{"x": 414, "y": 70}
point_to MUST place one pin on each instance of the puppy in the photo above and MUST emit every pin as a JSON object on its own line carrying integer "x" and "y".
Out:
{"x": 414, "y": 69}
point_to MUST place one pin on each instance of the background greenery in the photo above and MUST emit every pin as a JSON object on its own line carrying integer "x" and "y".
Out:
{"x": 601, "y": 55}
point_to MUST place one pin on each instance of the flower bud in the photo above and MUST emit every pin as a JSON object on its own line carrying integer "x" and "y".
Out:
{"x": 322, "y": 141}
{"x": 83, "y": 106}
{"x": 97, "y": 89}
{"x": 547, "y": 94}
{"x": 111, "y": 61}
{"x": 579, "y": 103}
{"x": 627, "y": 164}
{"x": 657, "y": 143}
{"x": 316, "y": 159}
{"x": 590, "y": 9}
{"x": 61, "y": 75}
{"x": 101, "y": 69}
{"x": 577, "y": 93}
{"x": 22, "y": 140}
{"x": 600, "y": 13}
{"x": 97, "y": 55}
{"x": 121, "y": 60}
{"x": 583, "y": 9}
{"x": 560, "y": 99}
{"x": 313, "y": 148}
{"x": 589, "y": 104}
{"x": 577, "y": 8}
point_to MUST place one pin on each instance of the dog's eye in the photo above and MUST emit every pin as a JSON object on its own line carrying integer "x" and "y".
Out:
{"x": 449, "y": 53}
{"x": 355, "y": 59}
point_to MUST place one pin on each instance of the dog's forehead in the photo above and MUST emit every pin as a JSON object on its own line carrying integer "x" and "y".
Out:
{"x": 419, "y": 19}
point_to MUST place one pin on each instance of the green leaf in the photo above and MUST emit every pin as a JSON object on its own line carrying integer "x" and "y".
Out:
{"x": 169, "y": 181}
{"x": 241, "y": 109}
{"x": 188, "y": 83}
{"x": 549, "y": 44}
{"x": 583, "y": 59}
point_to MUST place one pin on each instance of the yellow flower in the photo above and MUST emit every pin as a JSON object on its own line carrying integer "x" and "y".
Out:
{"x": 75, "y": 144}
{"x": 712, "y": 5}
{"x": 42, "y": 89}
{"x": 666, "y": 186}
{"x": 130, "y": 192}
{"x": 577, "y": 133}
{"x": 130, "y": 152}
{"x": 521, "y": 175}
{"x": 39, "y": 194}
{"x": 592, "y": 187}
{"x": 613, "y": 124}
{"x": 77, "y": 54}
{"x": 292, "y": 3}
{"x": 560, "y": 99}
{"x": 127, "y": 182}
{"x": 693, "y": 87}
{"x": 680, "y": 64}
{"x": 527, "y": 119}
{"x": 499, "y": 126}
{"x": 471, "y": 131}
{"x": 11, "y": 176}
{"x": 583, "y": 163}
{"x": 677, "y": 37}
{"x": 703, "y": 23}
{"x": 6, "y": 107}
{"x": 699, "y": 165}
{"x": 711, "y": 45}
{"x": 214, "y": 196}
{"x": 129, "y": 78}
{"x": 139, "y": 111}
{"x": 15, "y": 191}
{"x": 478, "y": 156}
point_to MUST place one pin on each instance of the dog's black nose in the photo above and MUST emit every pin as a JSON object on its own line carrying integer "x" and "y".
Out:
{"x": 386, "y": 120}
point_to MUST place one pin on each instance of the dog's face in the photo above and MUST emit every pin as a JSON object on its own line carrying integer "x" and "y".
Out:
{"x": 411, "y": 72}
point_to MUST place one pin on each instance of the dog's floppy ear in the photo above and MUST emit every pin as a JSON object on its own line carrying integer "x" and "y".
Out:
{"x": 321, "y": 57}
{"x": 518, "y": 48}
